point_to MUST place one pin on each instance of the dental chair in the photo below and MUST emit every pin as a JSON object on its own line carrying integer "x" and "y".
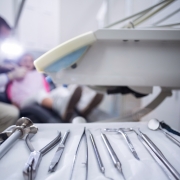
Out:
{"x": 35, "y": 112}
{"x": 39, "y": 114}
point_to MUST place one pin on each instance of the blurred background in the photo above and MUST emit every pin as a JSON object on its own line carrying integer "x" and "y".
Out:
{"x": 44, "y": 24}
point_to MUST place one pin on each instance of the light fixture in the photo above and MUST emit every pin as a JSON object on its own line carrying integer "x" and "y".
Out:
{"x": 11, "y": 49}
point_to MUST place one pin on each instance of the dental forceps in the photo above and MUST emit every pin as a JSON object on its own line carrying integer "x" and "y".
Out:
{"x": 35, "y": 157}
{"x": 23, "y": 127}
{"x": 129, "y": 143}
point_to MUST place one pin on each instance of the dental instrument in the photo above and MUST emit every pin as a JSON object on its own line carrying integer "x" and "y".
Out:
{"x": 160, "y": 163}
{"x": 31, "y": 166}
{"x": 129, "y": 143}
{"x": 23, "y": 127}
{"x": 75, "y": 155}
{"x": 154, "y": 124}
{"x": 113, "y": 155}
{"x": 98, "y": 157}
{"x": 168, "y": 128}
{"x": 168, "y": 168}
{"x": 58, "y": 153}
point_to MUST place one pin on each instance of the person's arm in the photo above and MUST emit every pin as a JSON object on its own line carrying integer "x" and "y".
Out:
{"x": 17, "y": 73}
{"x": 3, "y": 79}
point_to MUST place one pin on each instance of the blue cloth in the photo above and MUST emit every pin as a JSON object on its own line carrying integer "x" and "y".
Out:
{"x": 66, "y": 61}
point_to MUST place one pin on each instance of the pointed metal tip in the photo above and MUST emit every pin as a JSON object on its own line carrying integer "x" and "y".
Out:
{"x": 51, "y": 169}
{"x": 139, "y": 130}
{"x": 89, "y": 131}
{"x": 123, "y": 176}
{"x": 136, "y": 156}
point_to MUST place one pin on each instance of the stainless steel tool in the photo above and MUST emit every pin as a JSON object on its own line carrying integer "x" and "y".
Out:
{"x": 98, "y": 157}
{"x": 6, "y": 133}
{"x": 58, "y": 153}
{"x": 160, "y": 163}
{"x": 35, "y": 157}
{"x": 112, "y": 154}
{"x": 23, "y": 127}
{"x": 76, "y": 153}
{"x": 154, "y": 124}
{"x": 169, "y": 170}
{"x": 169, "y": 129}
{"x": 129, "y": 143}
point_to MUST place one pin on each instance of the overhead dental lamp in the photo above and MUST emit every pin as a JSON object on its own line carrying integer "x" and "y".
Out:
{"x": 135, "y": 58}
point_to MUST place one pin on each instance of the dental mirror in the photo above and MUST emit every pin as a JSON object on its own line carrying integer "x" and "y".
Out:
{"x": 153, "y": 124}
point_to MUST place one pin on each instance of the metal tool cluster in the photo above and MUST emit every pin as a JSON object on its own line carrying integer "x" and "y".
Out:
{"x": 25, "y": 129}
{"x": 8, "y": 137}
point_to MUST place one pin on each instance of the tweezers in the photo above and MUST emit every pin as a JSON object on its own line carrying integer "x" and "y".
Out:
{"x": 76, "y": 153}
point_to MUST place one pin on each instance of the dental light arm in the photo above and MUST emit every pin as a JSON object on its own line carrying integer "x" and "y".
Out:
{"x": 144, "y": 58}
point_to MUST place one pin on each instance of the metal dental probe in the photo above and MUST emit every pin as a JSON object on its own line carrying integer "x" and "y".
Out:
{"x": 129, "y": 143}
{"x": 98, "y": 157}
{"x": 160, "y": 163}
{"x": 160, "y": 155}
{"x": 112, "y": 154}
{"x": 170, "y": 137}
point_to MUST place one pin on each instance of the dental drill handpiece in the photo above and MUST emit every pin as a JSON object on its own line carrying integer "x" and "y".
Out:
{"x": 98, "y": 157}
{"x": 112, "y": 154}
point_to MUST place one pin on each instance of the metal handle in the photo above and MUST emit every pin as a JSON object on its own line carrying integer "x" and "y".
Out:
{"x": 172, "y": 139}
{"x": 159, "y": 154}
{"x": 30, "y": 146}
{"x": 127, "y": 140}
{"x": 51, "y": 145}
{"x": 63, "y": 141}
{"x": 111, "y": 130}
{"x": 164, "y": 168}
{"x": 110, "y": 149}
{"x": 4, "y": 148}
{"x": 151, "y": 144}
{"x": 168, "y": 128}
{"x": 101, "y": 166}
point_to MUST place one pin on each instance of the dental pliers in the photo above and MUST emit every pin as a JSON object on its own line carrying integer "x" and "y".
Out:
{"x": 35, "y": 157}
